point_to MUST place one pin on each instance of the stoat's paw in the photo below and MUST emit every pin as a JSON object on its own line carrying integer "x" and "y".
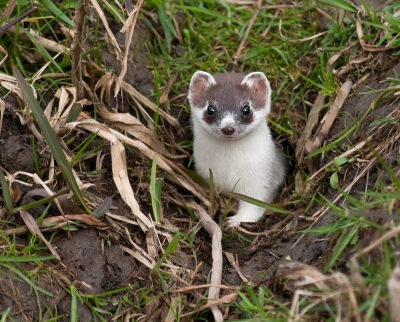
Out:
{"x": 232, "y": 222}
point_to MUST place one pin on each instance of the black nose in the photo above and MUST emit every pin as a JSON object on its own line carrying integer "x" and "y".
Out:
{"x": 228, "y": 130}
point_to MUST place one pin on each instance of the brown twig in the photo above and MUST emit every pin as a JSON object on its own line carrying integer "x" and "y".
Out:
{"x": 246, "y": 34}
{"x": 299, "y": 40}
{"x": 266, "y": 31}
{"x": 76, "y": 49}
{"x": 18, "y": 19}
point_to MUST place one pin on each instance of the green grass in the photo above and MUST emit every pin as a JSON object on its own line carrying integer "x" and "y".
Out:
{"x": 207, "y": 39}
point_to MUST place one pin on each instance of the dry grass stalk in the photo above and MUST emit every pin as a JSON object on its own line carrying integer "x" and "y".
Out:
{"x": 227, "y": 299}
{"x": 39, "y": 73}
{"x": 215, "y": 232}
{"x": 133, "y": 126}
{"x": 4, "y": 52}
{"x": 55, "y": 223}
{"x": 167, "y": 88}
{"x": 394, "y": 294}
{"x": 139, "y": 257}
{"x": 364, "y": 45}
{"x": 66, "y": 96}
{"x": 300, "y": 186}
{"x": 236, "y": 266}
{"x": 46, "y": 43}
{"x": 173, "y": 307}
{"x": 8, "y": 79}
{"x": 330, "y": 116}
{"x": 389, "y": 235}
{"x": 180, "y": 177}
{"x": 2, "y": 109}
{"x": 246, "y": 34}
{"x": 119, "y": 167}
{"x": 299, "y": 40}
{"x": 115, "y": 12}
{"x": 140, "y": 250}
{"x": 311, "y": 122}
{"x": 267, "y": 30}
{"x": 150, "y": 243}
{"x": 30, "y": 223}
{"x": 129, "y": 28}
{"x": 242, "y": 2}
{"x": 105, "y": 23}
{"x": 8, "y": 10}
{"x": 336, "y": 56}
{"x": 119, "y": 164}
{"x": 294, "y": 275}
{"x": 346, "y": 154}
{"x": 76, "y": 48}
{"x": 196, "y": 287}
{"x": 121, "y": 180}
{"x": 145, "y": 101}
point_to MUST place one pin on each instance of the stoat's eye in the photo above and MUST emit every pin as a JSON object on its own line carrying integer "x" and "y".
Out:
{"x": 210, "y": 110}
{"x": 246, "y": 110}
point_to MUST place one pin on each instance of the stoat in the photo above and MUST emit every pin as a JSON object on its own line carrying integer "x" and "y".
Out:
{"x": 231, "y": 137}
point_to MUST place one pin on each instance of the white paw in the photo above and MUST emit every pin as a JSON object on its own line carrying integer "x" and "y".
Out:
{"x": 232, "y": 222}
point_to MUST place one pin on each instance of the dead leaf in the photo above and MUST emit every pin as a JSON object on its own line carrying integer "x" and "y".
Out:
{"x": 87, "y": 219}
{"x": 35, "y": 230}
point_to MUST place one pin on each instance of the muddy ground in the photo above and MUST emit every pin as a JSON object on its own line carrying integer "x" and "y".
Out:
{"x": 92, "y": 257}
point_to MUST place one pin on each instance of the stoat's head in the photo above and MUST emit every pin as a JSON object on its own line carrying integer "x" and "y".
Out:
{"x": 229, "y": 105}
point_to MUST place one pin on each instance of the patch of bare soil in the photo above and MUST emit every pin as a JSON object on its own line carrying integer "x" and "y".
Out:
{"x": 15, "y": 140}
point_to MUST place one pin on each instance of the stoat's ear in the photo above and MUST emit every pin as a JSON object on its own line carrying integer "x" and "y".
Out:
{"x": 259, "y": 86}
{"x": 258, "y": 83}
{"x": 199, "y": 83}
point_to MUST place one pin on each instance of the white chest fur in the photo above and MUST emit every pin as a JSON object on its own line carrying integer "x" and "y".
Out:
{"x": 245, "y": 165}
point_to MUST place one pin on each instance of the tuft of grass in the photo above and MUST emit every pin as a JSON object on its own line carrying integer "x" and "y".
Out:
{"x": 261, "y": 306}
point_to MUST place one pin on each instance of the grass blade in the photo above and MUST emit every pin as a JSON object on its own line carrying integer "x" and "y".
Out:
{"x": 25, "y": 258}
{"x": 170, "y": 248}
{"x": 6, "y": 192}
{"x": 259, "y": 203}
{"x": 155, "y": 191}
{"x": 59, "y": 15}
{"x": 332, "y": 144}
{"x": 26, "y": 279}
{"x": 102, "y": 209}
{"x": 41, "y": 49}
{"x": 341, "y": 4}
{"x": 42, "y": 201}
{"x": 74, "y": 304}
{"x": 5, "y": 314}
{"x": 204, "y": 11}
{"x": 51, "y": 138}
